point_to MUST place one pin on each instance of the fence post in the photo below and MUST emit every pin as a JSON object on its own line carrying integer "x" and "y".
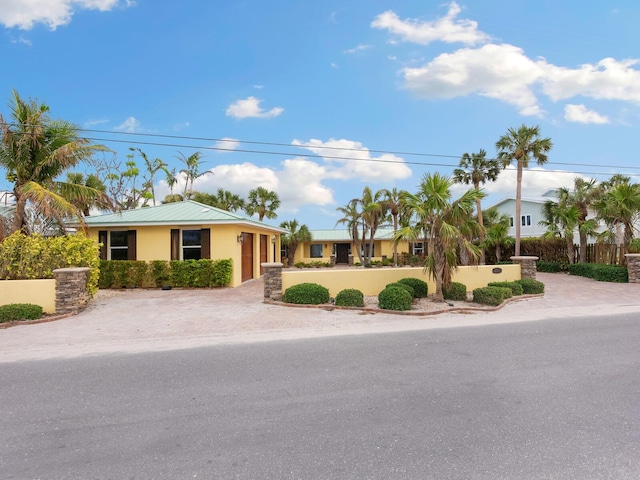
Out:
{"x": 633, "y": 267}
{"x": 272, "y": 281}
{"x": 527, "y": 266}
{"x": 71, "y": 289}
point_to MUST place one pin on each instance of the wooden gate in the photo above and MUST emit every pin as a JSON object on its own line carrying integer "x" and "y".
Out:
{"x": 263, "y": 252}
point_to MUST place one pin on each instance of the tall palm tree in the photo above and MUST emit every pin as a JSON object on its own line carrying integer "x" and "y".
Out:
{"x": 226, "y": 200}
{"x": 620, "y": 206}
{"x": 393, "y": 202}
{"x": 35, "y": 152}
{"x": 262, "y": 202}
{"x": 521, "y": 146}
{"x": 584, "y": 194}
{"x": 442, "y": 219}
{"x": 352, "y": 218}
{"x": 560, "y": 219}
{"x": 191, "y": 171}
{"x": 296, "y": 234}
{"x": 152, "y": 168}
{"x": 476, "y": 169}
{"x": 497, "y": 231}
{"x": 372, "y": 215}
{"x": 171, "y": 179}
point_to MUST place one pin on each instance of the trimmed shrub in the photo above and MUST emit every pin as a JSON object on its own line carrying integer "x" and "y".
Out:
{"x": 531, "y": 286}
{"x": 20, "y": 311}
{"x": 160, "y": 272}
{"x": 515, "y": 287}
{"x": 404, "y": 286}
{"x": 600, "y": 272}
{"x": 420, "y": 287}
{"x": 493, "y": 296}
{"x": 457, "y": 291}
{"x": 306, "y": 294}
{"x": 395, "y": 298}
{"x": 350, "y": 297}
{"x": 548, "y": 267}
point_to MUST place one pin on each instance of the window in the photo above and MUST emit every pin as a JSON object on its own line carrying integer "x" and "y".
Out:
{"x": 284, "y": 251}
{"x": 119, "y": 245}
{"x": 316, "y": 250}
{"x": 526, "y": 220}
{"x": 365, "y": 250}
{"x": 191, "y": 245}
{"x": 417, "y": 248}
{"x": 511, "y": 221}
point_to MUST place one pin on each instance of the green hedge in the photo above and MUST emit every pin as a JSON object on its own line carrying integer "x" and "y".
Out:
{"x": 28, "y": 257}
{"x": 602, "y": 273}
{"x": 188, "y": 273}
{"x": 20, "y": 311}
{"x": 420, "y": 287}
{"x": 515, "y": 287}
{"x": 531, "y": 286}
{"x": 350, "y": 297}
{"x": 456, "y": 291}
{"x": 549, "y": 267}
{"x": 306, "y": 294}
{"x": 493, "y": 296}
{"x": 395, "y": 298}
{"x": 404, "y": 286}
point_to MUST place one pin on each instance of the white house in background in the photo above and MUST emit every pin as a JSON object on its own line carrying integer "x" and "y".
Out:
{"x": 530, "y": 213}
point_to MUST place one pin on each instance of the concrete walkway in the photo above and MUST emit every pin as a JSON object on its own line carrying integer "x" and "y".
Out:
{"x": 130, "y": 321}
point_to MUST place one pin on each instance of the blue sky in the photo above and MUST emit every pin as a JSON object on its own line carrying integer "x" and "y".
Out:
{"x": 378, "y": 81}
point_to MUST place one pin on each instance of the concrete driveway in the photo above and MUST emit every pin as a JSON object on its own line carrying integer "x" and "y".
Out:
{"x": 151, "y": 320}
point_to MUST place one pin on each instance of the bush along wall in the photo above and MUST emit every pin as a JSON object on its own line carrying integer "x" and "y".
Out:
{"x": 602, "y": 273}
{"x": 158, "y": 273}
{"x": 29, "y": 257}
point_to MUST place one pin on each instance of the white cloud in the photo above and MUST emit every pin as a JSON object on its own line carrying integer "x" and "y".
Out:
{"x": 130, "y": 125}
{"x": 581, "y": 114}
{"x": 334, "y": 65}
{"x": 178, "y": 127}
{"x": 227, "y": 144}
{"x": 502, "y": 71}
{"x": 357, "y": 49}
{"x": 95, "y": 122}
{"x": 446, "y": 29}
{"x": 24, "y": 14}
{"x": 250, "y": 108}
{"x": 347, "y": 160}
{"x": 535, "y": 180}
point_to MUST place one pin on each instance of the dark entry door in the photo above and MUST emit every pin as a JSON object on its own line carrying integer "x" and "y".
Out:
{"x": 247, "y": 256}
{"x": 263, "y": 252}
{"x": 342, "y": 253}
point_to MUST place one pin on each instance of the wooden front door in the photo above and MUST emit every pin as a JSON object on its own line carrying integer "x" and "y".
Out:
{"x": 342, "y": 253}
{"x": 263, "y": 252}
{"x": 247, "y": 256}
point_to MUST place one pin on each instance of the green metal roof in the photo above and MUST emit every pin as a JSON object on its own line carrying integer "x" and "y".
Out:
{"x": 342, "y": 235}
{"x": 176, "y": 213}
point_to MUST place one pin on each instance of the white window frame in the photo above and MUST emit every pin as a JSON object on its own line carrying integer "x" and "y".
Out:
{"x": 124, "y": 247}
{"x": 525, "y": 220}
{"x": 190, "y": 247}
{"x": 316, "y": 245}
{"x": 417, "y": 250}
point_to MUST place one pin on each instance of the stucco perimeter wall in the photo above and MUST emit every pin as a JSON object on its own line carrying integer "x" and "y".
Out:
{"x": 37, "y": 292}
{"x": 370, "y": 281}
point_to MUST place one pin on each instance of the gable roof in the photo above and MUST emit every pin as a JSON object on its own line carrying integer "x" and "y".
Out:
{"x": 187, "y": 212}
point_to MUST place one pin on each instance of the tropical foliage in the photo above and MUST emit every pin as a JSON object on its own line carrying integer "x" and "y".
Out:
{"x": 295, "y": 235}
{"x": 262, "y": 202}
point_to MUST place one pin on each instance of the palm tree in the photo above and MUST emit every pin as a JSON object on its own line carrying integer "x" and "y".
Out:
{"x": 619, "y": 206}
{"x": 152, "y": 168}
{"x": 521, "y": 146}
{"x": 560, "y": 220}
{"x": 171, "y": 179}
{"x": 226, "y": 200}
{"x": 442, "y": 220}
{"x": 295, "y": 235}
{"x": 35, "y": 151}
{"x": 585, "y": 193}
{"x": 263, "y": 202}
{"x": 91, "y": 181}
{"x": 497, "y": 231}
{"x": 393, "y": 202}
{"x": 372, "y": 216}
{"x": 192, "y": 171}
{"x": 352, "y": 217}
{"x": 477, "y": 169}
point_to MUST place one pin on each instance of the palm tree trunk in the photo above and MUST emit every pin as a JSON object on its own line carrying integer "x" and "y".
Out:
{"x": 18, "y": 214}
{"x": 481, "y": 222}
{"x": 395, "y": 244}
{"x": 518, "y": 207}
{"x": 583, "y": 247}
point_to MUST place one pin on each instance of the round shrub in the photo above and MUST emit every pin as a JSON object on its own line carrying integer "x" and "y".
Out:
{"x": 529, "y": 286}
{"x": 515, "y": 287}
{"x": 20, "y": 311}
{"x": 394, "y": 298}
{"x": 420, "y": 287}
{"x": 405, "y": 286}
{"x": 493, "y": 296}
{"x": 350, "y": 297}
{"x": 306, "y": 294}
{"x": 457, "y": 291}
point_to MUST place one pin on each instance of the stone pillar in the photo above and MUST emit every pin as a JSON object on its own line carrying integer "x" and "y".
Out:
{"x": 527, "y": 266}
{"x": 71, "y": 289}
{"x": 272, "y": 281}
{"x": 350, "y": 261}
{"x": 633, "y": 267}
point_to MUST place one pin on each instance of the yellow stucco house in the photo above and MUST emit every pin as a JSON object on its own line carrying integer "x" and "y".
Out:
{"x": 337, "y": 246}
{"x": 187, "y": 230}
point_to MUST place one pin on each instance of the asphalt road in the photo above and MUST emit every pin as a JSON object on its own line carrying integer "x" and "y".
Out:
{"x": 536, "y": 400}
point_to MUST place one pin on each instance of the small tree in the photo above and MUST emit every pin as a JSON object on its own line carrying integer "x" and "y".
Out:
{"x": 295, "y": 235}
